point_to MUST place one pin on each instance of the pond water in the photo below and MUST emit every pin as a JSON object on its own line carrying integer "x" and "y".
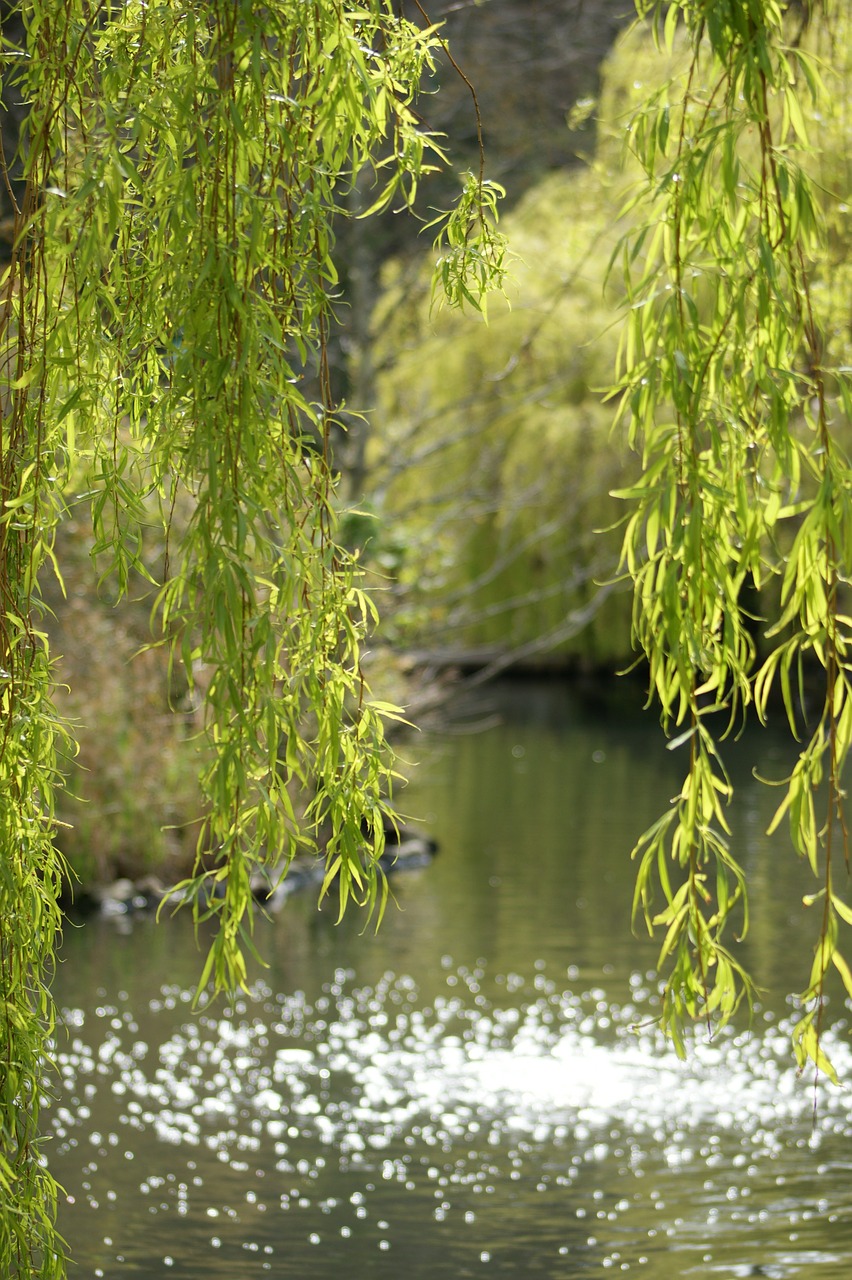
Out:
{"x": 480, "y": 1088}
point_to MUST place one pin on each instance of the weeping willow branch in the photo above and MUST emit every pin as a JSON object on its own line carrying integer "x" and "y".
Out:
{"x": 163, "y": 345}
{"x": 737, "y": 401}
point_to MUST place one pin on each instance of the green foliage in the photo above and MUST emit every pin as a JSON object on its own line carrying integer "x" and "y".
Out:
{"x": 130, "y": 803}
{"x": 732, "y": 240}
{"x": 492, "y": 455}
{"x": 164, "y": 349}
{"x": 472, "y": 253}
{"x": 30, "y": 875}
{"x": 735, "y": 387}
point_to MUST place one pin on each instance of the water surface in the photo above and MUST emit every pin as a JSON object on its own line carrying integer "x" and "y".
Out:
{"x": 480, "y": 1089}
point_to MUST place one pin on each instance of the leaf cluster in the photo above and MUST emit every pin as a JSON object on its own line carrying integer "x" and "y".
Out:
{"x": 164, "y": 347}
{"x": 734, "y": 385}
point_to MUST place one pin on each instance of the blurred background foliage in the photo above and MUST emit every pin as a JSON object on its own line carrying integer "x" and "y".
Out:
{"x": 477, "y": 470}
{"x": 132, "y": 801}
{"x": 492, "y": 457}
{"x": 493, "y": 453}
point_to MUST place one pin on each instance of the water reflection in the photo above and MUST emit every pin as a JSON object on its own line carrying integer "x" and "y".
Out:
{"x": 467, "y": 1093}
{"x": 297, "y": 1136}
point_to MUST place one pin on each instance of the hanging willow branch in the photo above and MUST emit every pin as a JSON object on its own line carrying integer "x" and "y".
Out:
{"x": 163, "y": 340}
{"x": 738, "y": 406}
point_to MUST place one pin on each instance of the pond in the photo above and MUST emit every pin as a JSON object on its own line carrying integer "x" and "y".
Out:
{"x": 479, "y": 1089}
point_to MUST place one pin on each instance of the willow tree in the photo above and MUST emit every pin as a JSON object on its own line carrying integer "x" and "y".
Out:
{"x": 164, "y": 328}
{"x": 735, "y": 383}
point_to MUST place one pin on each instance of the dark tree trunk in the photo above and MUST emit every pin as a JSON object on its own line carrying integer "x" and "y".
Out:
{"x": 12, "y": 116}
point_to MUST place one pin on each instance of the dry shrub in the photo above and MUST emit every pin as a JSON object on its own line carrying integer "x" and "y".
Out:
{"x": 132, "y": 800}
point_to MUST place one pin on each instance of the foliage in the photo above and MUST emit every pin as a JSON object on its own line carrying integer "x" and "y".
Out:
{"x": 130, "y": 802}
{"x": 492, "y": 458}
{"x": 735, "y": 385}
{"x": 725, "y": 152}
{"x": 164, "y": 332}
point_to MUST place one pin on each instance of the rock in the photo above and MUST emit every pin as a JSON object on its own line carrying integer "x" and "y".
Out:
{"x": 115, "y": 898}
{"x": 125, "y": 897}
{"x": 274, "y": 887}
{"x": 404, "y": 851}
{"x": 407, "y": 853}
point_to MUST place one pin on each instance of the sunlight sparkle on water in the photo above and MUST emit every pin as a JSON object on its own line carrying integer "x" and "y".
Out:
{"x": 349, "y": 1115}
